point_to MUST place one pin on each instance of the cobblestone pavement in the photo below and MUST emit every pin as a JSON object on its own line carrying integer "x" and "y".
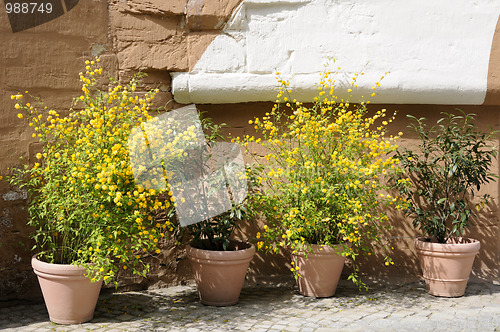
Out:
{"x": 405, "y": 307}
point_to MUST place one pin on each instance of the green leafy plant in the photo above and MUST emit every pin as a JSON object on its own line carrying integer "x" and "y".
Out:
{"x": 214, "y": 233}
{"x": 322, "y": 174}
{"x": 443, "y": 174}
{"x": 83, "y": 205}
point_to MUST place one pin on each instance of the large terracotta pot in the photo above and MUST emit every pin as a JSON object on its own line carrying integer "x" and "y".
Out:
{"x": 219, "y": 275}
{"x": 320, "y": 270}
{"x": 446, "y": 266}
{"x": 69, "y": 295}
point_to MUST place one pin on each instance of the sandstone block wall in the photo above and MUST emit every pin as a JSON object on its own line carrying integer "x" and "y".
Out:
{"x": 45, "y": 60}
{"x": 154, "y": 36}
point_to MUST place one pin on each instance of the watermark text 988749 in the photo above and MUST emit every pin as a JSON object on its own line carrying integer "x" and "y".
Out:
{"x": 26, "y": 14}
{"x": 28, "y": 7}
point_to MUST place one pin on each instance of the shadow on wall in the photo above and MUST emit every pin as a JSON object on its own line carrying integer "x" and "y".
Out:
{"x": 265, "y": 268}
{"x": 486, "y": 230}
{"x": 399, "y": 246}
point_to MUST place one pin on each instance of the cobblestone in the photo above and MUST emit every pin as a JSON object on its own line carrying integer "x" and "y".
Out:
{"x": 405, "y": 307}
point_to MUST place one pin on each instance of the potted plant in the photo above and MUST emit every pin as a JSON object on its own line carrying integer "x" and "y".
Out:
{"x": 321, "y": 183}
{"x": 219, "y": 263}
{"x": 443, "y": 174}
{"x": 89, "y": 219}
{"x": 205, "y": 179}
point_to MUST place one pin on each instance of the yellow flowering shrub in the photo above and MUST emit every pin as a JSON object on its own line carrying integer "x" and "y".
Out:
{"x": 322, "y": 179}
{"x": 83, "y": 204}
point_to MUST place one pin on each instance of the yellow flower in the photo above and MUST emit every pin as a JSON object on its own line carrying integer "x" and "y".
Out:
{"x": 20, "y": 116}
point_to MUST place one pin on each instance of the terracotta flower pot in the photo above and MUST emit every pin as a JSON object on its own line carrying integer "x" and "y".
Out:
{"x": 69, "y": 295}
{"x": 219, "y": 275}
{"x": 320, "y": 271}
{"x": 446, "y": 266}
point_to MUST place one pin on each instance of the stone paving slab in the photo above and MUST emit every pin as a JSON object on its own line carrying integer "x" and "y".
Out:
{"x": 405, "y": 307}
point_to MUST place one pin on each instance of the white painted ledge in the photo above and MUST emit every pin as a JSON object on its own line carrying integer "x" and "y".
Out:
{"x": 205, "y": 88}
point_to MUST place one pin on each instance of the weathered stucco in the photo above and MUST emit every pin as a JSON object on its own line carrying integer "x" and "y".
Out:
{"x": 200, "y": 39}
{"x": 435, "y": 53}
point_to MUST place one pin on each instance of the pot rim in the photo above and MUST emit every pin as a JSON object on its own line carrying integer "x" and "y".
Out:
{"x": 423, "y": 245}
{"x": 247, "y": 245}
{"x": 214, "y": 254}
{"x": 53, "y": 268}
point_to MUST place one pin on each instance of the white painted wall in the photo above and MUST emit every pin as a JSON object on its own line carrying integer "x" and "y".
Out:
{"x": 437, "y": 52}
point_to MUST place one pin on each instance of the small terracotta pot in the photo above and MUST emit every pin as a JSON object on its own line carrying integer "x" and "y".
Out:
{"x": 320, "y": 271}
{"x": 219, "y": 275}
{"x": 446, "y": 266}
{"x": 69, "y": 295}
